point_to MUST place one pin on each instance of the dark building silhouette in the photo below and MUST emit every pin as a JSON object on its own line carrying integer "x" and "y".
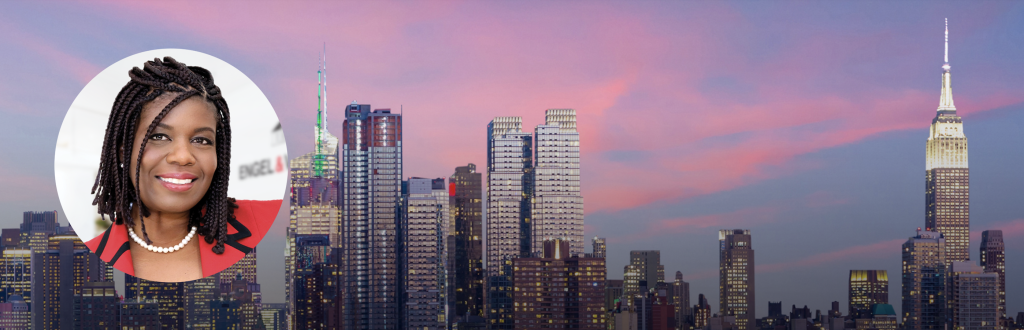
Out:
{"x": 139, "y": 314}
{"x": 924, "y": 282}
{"x": 225, "y": 313}
{"x": 198, "y": 295}
{"x": 58, "y": 274}
{"x": 96, "y": 307}
{"x": 169, "y": 295}
{"x": 466, "y": 249}
{"x": 993, "y": 259}
{"x": 313, "y": 253}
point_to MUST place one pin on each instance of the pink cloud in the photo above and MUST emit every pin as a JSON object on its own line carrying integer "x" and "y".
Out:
{"x": 455, "y": 66}
{"x": 82, "y": 70}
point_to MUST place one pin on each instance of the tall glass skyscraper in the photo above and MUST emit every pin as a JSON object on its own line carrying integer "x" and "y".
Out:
{"x": 736, "y": 277}
{"x": 924, "y": 281}
{"x": 371, "y": 167}
{"x": 947, "y": 176}
{"x": 465, "y": 244}
{"x": 557, "y": 203}
{"x": 509, "y": 191}
{"x": 993, "y": 259}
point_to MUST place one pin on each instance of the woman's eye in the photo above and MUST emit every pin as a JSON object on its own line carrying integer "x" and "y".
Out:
{"x": 159, "y": 136}
{"x": 203, "y": 141}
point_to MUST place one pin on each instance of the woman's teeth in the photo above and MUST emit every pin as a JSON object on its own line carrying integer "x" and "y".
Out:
{"x": 177, "y": 181}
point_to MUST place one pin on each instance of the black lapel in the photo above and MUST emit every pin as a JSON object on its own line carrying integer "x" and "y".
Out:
{"x": 103, "y": 241}
{"x": 243, "y": 232}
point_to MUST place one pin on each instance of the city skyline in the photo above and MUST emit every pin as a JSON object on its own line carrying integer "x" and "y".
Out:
{"x": 873, "y": 206}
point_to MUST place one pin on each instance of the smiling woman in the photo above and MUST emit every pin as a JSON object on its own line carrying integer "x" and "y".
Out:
{"x": 163, "y": 179}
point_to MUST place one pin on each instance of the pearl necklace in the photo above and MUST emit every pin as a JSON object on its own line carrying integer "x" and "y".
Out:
{"x": 162, "y": 249}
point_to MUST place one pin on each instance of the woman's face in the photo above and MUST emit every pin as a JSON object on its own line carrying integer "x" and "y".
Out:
{"x": 180, "y": 157}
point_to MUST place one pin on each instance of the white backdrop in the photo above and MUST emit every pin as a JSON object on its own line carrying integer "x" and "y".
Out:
{"x": 259, "y": 155}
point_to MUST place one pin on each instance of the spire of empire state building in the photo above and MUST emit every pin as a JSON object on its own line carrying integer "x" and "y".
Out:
{"x": 946, "y": 99}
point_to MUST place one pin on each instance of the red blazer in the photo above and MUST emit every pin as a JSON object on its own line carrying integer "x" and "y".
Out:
{"x": 252, "y": 221}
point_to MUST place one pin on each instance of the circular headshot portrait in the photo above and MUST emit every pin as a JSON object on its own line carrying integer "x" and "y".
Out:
{"x": 171, "y": 165}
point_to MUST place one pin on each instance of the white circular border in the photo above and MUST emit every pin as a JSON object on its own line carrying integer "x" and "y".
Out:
{"x": 258, "y": 150}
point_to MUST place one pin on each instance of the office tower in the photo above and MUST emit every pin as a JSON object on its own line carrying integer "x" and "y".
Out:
{"x": 599, "y": 247}
{"x": 736, "y": 277}
{"x": 973, "y": 301}
{"x": 947, "y": 185}
{"x": 10, "y": 238}
{"x": 96, "y": 306}
{"x": 682, "y": 300}
{"x": 14, "y": 314}
{"x": 16, "y": 274}
{"x": 421, "y": 262}
{"x": 701, "y": 312}
{"x": 880, "y": 317}
{"x": 557, "y": 204}
{"x": 197, "y": 296}
{"x": 315, "y": 206}
{"x": 644, "y": 269}
{"x": 274, "y": 316}
{"x": 467, "y": 250}
{"x": 36, "y": 228}
{"x": 139, "y": 314}
{"x": 58, "y": 273}
{"x": 169, "y": 295}
{"x": 509, "y": 190}
{"x": 867, "y": 287}
{"x": 561, "y": 289}
{"x": 226, "y": 313}
{"x": 371, "y": 162}
{"x": 310, "y": 251}
{"x": 924, "y": 281}
{"x": 245, "y": 267}
{"x": 445, "y": 262}
{"x": 612, "y": 294}
{"x": 249, "y": 299}
{"x": 993, "y": 259}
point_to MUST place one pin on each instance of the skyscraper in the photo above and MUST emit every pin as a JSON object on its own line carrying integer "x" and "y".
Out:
{"x": 16, "y": 274}
{"x": 59, "y": 273}
{"x": 315, "y": 206}
{"x": 600, "y": 248}
{"x": 867, "y": 287}
{"x": 371, "y": 163}
{"x": 311, "y": 251}
{"x": 947, "y": 183}
{"x": 96, "y": 307}
{"x": 509, "y": 191}
{"x": 924, "y": 281}
{"x": 973, "y": 301}
{"x": 644, "y": 270}
{"x": 36, "y": 228}
{"x": 682, "y": 300}
{"x": 421, "y": 266}
{"x": 736, "y": 277}
{"x": 169, "y": 295}
{"x": 557, "y": 203}
{"x": 559, "y": 290}
{"x": 467, "y": 250}
{"x": 198, "y": 295}
{"x": 993, "y": 259}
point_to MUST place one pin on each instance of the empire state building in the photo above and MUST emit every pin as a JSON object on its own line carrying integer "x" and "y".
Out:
{"x": 947, "y": 176}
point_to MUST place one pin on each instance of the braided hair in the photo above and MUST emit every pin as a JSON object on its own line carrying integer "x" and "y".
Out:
{"x": 117, "y": 190}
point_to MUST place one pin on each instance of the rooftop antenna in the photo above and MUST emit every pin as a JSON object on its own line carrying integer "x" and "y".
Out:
{"x": 947, "y": 41}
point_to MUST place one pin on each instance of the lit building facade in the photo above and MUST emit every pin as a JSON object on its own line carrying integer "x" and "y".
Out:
{"x": 681, "y": 301}
{"x": 559, "y": 290}
{"x": 509, "y": 191}
{"x": 58, "y": 274}
{"x": 993, "y": 259}
{"x": 947, "y": 193}
{"x": 557, "y": 210}
{"x": 311, "y": 251}
{"x": 16, "y": 274}
{"x": 600, "y": 248}
{"x": 466, "y": 247}
{"x": 701, "y": 312}
{"x": 867, "y": 288}
{"x": 15, "y": 315}
{"x": 139, "y": 314}
{"x": 973, "y": 301}
{"x": 96, "y": 307}
{"x": 924, "y": 282}
{"x": 169, "y": 295}
{"x": 198, "y": 295}
{"x": 421, "y": 264}
{"x": 644, "y": 269}
{"x": 36, "y": 228}
{"x": 882, "y": 317}
{"x": 736, "y": 277}
{"x": 371, "y": 166}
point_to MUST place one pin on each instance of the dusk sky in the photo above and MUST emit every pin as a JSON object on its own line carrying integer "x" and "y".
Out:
{"x": 803, "y": 122}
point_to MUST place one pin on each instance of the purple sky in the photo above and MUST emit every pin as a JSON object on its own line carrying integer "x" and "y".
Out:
{"x": 805, "y": 123}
